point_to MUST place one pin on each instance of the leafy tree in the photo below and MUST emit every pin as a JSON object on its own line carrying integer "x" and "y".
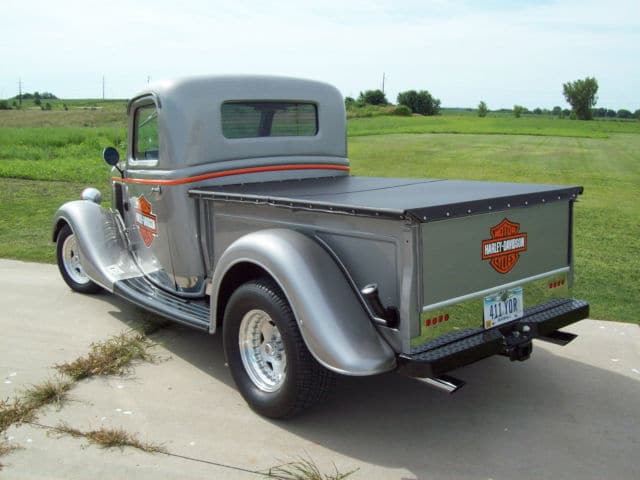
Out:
{"x": 636, "y": 114}
{"x": 518, "y": 110}
{"x": 37, "y": 101}
{"x": 402, "y": 110}
{"x": 611, "y": 113}
{"x": 537, "y": 111}
{"x": 581, "y": 95}
{"x": 408, "y": 98}
{"x": 373, "y": 97}
{"x": 624, "y": 113}
{"x": 349, "y": 101}
{"x": 557, "y": 111}
{"x": 4, "y": 105}
{"x": 482, "y": 110}
{"x": 599, "y": 112}
{"x": 421, "y": 102}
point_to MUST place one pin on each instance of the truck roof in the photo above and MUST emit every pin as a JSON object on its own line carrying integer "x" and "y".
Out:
{"x": 190, "y": 118}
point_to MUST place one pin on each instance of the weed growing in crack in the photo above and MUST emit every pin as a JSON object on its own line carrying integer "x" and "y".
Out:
{"x": 110, "y": 438}
{"x": 22, "y": 409}
{"x": 110, "y": 357}
{"x": 304, "y": 469}
{"x": 50, "y": 391}
{"x": 14, "y": 411}
{"x": 6, "y": 448}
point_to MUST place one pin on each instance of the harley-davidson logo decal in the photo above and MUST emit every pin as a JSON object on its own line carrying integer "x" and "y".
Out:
{"x": 146, "y": 221}
{"x": 504, "y": 247}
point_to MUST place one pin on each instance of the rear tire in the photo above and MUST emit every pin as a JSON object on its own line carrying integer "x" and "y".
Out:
{"x": 269, "y": 361}
{"x": 70, "y": 263}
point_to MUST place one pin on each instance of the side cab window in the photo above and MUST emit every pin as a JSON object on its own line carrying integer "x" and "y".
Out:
{"x": 146, "y": 144}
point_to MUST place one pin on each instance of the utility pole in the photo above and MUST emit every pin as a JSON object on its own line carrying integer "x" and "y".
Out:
{"x": 148, "y": 79}
{"x": 20, "y": 92}
{"x": 383, "y": 75}
{"x": 103, "y": 87}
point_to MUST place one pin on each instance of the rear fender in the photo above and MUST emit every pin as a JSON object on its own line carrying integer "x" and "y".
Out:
{"x": 334, "y": 325}
{"x": 104, "y": 256}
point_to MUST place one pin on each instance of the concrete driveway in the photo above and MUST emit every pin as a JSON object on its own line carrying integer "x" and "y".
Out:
{"x": 566, "y": 413}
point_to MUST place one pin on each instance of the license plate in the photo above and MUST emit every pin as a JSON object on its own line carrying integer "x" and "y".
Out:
{"x": 503, "y": 307}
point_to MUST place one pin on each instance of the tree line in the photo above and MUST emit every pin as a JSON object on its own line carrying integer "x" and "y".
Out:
{"x": 419, "y": 102}
{"x": 37, "y": 98}
{"x": 579, "y": 94}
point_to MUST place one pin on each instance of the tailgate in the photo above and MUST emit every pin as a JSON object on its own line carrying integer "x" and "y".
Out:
{"x": 469, "y": 261}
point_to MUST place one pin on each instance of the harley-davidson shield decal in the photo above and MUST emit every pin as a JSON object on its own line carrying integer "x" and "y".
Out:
{"x": 146, "y": 221}
{"x": 504, "y": 247}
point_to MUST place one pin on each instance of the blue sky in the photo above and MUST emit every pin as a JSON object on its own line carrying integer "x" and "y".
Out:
{"x": 502, "y": 52}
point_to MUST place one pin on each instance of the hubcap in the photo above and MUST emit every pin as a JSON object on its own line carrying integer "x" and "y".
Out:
{"x": 71, "y": 260}
{"x": 262, "y": 351}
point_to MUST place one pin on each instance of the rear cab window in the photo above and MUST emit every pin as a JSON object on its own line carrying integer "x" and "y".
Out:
{"x": 253, "y": 119}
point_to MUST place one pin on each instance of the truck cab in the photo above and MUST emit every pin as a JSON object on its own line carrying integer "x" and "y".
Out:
{"x": 234, "y": 210}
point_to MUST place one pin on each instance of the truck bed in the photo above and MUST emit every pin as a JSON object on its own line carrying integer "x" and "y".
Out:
{"x": 420, "y": 199}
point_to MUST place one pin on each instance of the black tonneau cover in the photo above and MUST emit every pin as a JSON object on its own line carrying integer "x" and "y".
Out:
{"x": 420, "y": 199}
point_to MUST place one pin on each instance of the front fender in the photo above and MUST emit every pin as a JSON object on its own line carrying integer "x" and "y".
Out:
{"x": 334, "y": 325}
{"x": 103, "y": 253}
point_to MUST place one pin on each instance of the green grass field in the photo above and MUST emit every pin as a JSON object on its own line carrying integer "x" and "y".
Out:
{"x": 47, "y": 157}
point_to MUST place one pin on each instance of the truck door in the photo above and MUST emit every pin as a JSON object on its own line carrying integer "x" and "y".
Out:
{"x": 147, "y": 212}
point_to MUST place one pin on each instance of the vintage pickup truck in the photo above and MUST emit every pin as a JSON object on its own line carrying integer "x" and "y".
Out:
{"x": 234, "y": 210}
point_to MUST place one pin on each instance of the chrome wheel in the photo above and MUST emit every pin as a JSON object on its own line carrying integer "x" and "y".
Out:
{"x": 71, "y": 261}
{"x": 267, "y": 357}
{"x": 262, "y": 351}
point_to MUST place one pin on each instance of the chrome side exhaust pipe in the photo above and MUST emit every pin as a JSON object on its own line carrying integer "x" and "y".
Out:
{"x": 558, "y": 337}
{"x": 443, "y": 383}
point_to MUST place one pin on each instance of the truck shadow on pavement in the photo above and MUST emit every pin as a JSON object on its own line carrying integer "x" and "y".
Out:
{"x": 547, "y": 417}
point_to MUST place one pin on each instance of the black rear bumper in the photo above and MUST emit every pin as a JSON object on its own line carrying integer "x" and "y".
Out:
{"x": 512, "y": 339}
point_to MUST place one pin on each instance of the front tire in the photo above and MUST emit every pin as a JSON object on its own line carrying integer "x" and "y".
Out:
{"x": 268, "y": 359}
{"x": 70, "y": 263}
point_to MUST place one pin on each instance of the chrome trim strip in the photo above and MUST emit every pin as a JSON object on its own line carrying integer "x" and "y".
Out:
{"x": 489, "y": 291}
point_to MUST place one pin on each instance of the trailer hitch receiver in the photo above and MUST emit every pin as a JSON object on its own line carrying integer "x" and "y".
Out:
{"x": 517, "y": 345}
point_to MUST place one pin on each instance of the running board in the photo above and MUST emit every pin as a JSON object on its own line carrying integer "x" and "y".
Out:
{"x": 140, "y": 291}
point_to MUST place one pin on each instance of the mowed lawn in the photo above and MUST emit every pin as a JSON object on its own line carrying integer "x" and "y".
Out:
{"x": 41, "y": 167}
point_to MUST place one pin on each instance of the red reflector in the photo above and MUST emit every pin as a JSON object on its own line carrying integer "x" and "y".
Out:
{"x": 440, "y": 318}
{"x": 427, "y": 322}
{"x": 446, "y": 317}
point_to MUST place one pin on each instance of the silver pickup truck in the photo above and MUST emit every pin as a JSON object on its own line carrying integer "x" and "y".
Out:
{"x": 234, "y": 211}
